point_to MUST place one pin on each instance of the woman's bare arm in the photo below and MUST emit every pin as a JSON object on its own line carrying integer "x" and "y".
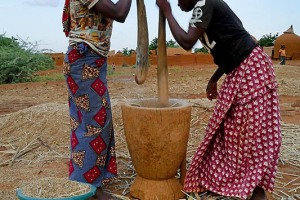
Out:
{"x": 116, "y": 11}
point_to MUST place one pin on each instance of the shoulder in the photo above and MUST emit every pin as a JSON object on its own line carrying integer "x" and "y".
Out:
{"x": 210, "y": 7}
{"x": 202, "y": 13}
{"x": 203, "y": 7}
{"x": 205, "y": 3}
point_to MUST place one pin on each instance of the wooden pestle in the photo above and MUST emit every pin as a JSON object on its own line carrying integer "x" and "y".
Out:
{"x": 142, "y": 51}
{"x": 162, "y": 69}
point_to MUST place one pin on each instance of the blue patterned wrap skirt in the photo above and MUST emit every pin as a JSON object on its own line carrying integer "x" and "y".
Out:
{"x": 93, "y": 157}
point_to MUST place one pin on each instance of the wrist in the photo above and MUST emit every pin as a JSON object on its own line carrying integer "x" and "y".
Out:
{"x": 213, "y": 80}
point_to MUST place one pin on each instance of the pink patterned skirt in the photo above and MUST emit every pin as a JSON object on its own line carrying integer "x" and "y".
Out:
{"x": 242, "y": 141}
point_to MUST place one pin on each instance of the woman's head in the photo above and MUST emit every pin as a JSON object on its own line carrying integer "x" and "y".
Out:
{"x": 187, "y": 5}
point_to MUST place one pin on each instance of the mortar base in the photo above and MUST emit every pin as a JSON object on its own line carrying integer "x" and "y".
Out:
{"x": 146, "y": 189}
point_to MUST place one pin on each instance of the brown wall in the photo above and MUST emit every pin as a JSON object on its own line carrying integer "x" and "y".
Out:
{"x": 177, "y": 51}
{"x": 177, "y": 60}
{"x": 58, "y": 58}
{"x": 292, "y": 45}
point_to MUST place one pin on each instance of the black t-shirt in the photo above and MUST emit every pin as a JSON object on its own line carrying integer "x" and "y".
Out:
{"x": 225, "y": 37}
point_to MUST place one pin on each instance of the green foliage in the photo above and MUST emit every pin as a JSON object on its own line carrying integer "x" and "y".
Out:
{"x": 172, "y": 44}
{"x": 127, "y": 52}
{"x": 201, "y": 50}
{"x": 154, "y": 44}
{"x": 4, "y": 41}
{"x": 46, "y": 78}
{"x": 19, "y": 60}
{"x": 268, "y": 40}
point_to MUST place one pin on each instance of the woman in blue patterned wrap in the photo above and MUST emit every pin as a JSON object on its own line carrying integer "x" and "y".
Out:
{"x": 88, "y": 24}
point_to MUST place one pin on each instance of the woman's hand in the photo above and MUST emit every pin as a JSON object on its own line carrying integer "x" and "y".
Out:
{"x": 165, "y": 6}
{"x": 212, "y": 90}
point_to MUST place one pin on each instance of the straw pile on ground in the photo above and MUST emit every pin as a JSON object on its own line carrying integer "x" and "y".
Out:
{"x": 52, "y": 187}
{"x": 34, "y": 135}
{"x": 34, "y": 142}
{"x": 38, "y": 134}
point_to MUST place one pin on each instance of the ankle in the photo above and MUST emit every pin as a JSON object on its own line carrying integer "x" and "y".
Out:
{"x": 258, "y": 194}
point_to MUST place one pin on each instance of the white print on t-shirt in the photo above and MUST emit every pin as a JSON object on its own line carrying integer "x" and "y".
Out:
{"x": 196, "y": 18}
{"x": 207, "y": 44}
{"x": 200, "y": 3}
{"x": 197, "y": 13}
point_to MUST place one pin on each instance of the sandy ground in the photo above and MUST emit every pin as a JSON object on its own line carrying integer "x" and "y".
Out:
{"x": 34, "y": 136}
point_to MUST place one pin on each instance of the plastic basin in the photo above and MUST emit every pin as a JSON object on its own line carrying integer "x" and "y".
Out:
{"x": 84, "y": 196}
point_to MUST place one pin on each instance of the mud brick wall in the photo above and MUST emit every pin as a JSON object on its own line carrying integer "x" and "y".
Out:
{"x": 175, "y": 60}
{"x": 58, "y": 58}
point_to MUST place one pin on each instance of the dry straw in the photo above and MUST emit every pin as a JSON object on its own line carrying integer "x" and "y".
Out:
{"x": 40, "y": 134}
{"x": 52, "y": 187}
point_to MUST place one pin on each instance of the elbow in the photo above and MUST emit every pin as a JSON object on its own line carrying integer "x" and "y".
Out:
{"x": 121, "y": 17}
{"x": 187, "y": 46}
{"x": 185, "y": 43}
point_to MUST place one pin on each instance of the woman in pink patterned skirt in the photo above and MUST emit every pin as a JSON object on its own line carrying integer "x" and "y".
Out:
{"x": 239, "y": 154}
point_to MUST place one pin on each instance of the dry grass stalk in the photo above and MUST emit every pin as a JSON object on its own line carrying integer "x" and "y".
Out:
{"x": 45, "y": 141}
{"x": 55, "y": 188}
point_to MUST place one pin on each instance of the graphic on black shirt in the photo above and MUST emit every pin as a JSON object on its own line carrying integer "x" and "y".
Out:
{"x": 224, "y": 37}
{"x": 197, "y": 12}
{"x": 205, "y": 42}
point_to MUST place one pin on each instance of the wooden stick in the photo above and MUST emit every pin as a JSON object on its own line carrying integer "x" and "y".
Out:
{"x": 142, "y": 51}
{"x": 15, "y": 156}
{"x": 291, "y": 181}
{"x": 162, "y": 69}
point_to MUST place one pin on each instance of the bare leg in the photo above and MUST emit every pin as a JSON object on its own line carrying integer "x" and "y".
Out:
{"x": 258, "y": 194}
{"x": 100, "y": 194}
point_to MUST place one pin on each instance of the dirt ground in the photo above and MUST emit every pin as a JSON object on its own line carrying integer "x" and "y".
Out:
{"x": 34, "y": 126}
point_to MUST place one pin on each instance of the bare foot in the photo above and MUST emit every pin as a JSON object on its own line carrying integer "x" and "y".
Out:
{"x": 258, "y": 194}
{"x": 101, "y": 195}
